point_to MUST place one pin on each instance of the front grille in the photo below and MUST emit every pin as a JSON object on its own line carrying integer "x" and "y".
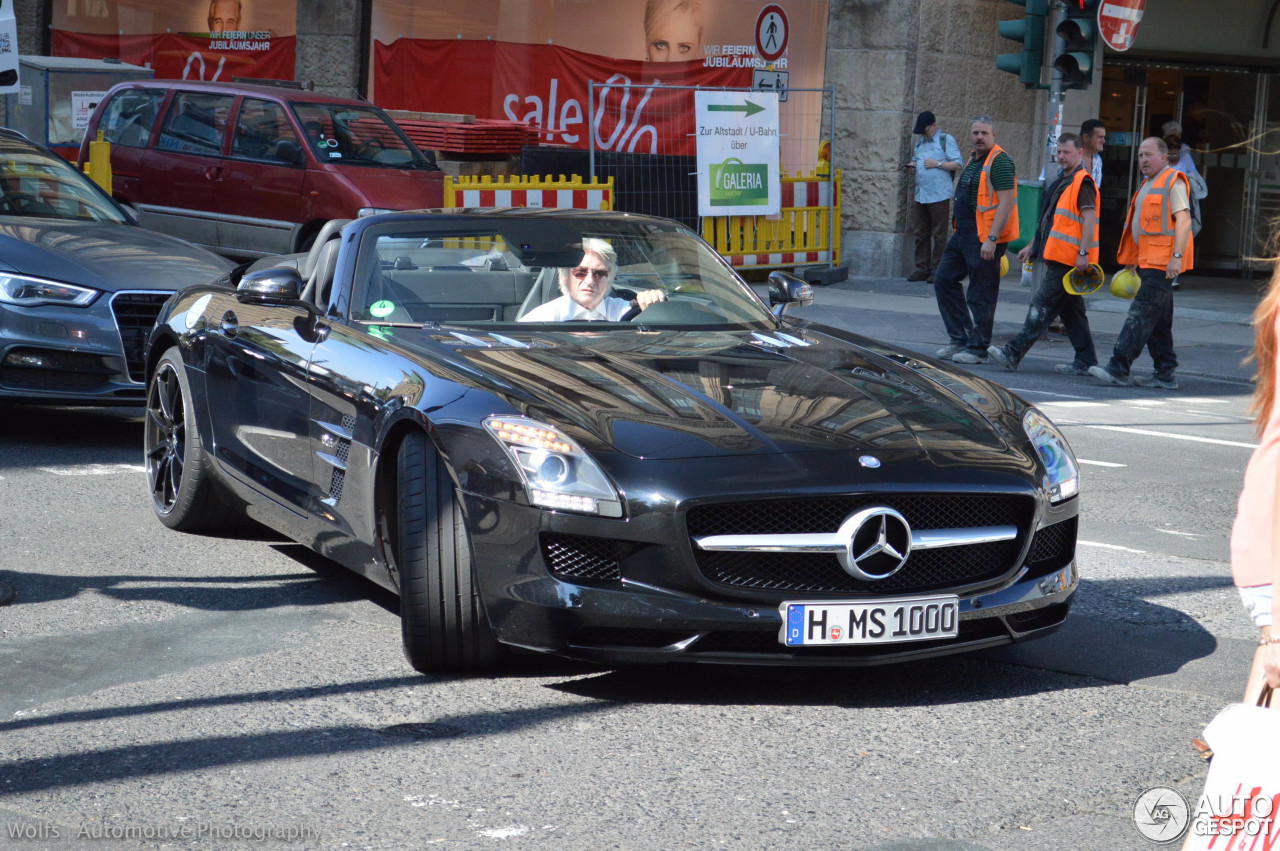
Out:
{"x": 1052, "y": 547}
{"x": 135, "y": 316}
{"x": 581, "y": 558}
{"x": 925, "y": 570}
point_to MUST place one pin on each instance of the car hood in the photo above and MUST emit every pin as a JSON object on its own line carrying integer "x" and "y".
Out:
{"x": 103, "y": 255}
{"x": 694, "y": 394}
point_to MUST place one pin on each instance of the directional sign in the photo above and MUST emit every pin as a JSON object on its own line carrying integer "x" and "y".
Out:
{"x": 738, "y": 166}
{"x": 771, "y": 81}
{"x": 1118, "y": 22}
{"x": 772, "y": 32}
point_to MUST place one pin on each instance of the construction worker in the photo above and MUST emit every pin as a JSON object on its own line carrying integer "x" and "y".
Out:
{"x": 985, "y": 215}
{"x": 1157, "y": 242}
{"x": 1066, "y": 238}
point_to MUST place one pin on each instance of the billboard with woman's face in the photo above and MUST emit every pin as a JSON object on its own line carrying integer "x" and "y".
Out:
{"x": 532, "y": 61}
{"x": 182, "y": 39}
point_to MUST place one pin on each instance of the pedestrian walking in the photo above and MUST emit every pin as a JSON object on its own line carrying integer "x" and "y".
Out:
{"x": 1157, "y": 243}
{"x": 985, "y": 216}
{"x": 1093, "y": 136}
{"x": 1180, "y": 158}
{"x": 935, "y": 161}
{"x": 1066, "y": 238}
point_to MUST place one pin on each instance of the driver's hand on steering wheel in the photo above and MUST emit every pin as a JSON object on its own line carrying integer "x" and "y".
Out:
{"x": 644, "y": 298}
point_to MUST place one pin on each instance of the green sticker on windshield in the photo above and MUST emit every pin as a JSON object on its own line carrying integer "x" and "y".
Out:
{"x": 382, "y": 308}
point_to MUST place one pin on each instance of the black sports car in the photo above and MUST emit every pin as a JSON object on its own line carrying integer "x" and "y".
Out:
{"x": 584, "y": 434}
{"x": 80, "y": 283}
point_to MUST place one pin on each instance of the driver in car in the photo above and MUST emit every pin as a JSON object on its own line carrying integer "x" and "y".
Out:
{"x": 586, "y": 288}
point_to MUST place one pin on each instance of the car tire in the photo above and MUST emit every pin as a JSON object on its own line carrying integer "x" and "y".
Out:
{"x": 182, "y": 490}
{"x": 442, "y": 620}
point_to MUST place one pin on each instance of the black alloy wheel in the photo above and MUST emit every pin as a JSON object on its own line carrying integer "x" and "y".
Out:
{"x": 182, "y": 493}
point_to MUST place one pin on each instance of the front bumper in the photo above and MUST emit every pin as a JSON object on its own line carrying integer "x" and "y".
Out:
{"x": 77, "y": 356}
{"x": 656, "y": 607}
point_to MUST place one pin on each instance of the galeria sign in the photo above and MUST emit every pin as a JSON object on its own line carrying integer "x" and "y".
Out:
{"x": 738, "y": 172}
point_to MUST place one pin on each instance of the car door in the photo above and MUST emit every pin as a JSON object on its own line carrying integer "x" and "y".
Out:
{"x": 126, "y": 122}
{"x": 185, "y": 168}
{"x": 256, "y": 380}
{"x": 260, "y": 198}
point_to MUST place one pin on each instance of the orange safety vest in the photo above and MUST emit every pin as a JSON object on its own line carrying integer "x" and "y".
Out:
{"x": 987, "y": 203}
{"x": 1066, "y": 234}
{"x": 1154, "y": 248}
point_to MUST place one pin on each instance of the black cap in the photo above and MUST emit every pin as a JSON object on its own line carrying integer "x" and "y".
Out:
{"x": 924, "y": 121}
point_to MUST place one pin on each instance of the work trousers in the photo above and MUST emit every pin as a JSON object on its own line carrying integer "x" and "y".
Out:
{"x": 968, "y": 315}
{"x": 933, "y": 225}
{"x": 1051, "y": 300}
{"x": 1150, "y": 324}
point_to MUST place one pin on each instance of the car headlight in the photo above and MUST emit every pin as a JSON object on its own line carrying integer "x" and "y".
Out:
{"x": 34, "y": 292}
{"x": 557, "y": 473}
{"x": 1061, "y": 473}
{"x": 373, "y": 211}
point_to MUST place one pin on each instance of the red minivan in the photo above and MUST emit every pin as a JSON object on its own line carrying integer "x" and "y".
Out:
{"x": 250, "y": 170}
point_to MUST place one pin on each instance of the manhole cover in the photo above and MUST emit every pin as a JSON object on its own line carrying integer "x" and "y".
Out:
{"x": 423, "y": 731}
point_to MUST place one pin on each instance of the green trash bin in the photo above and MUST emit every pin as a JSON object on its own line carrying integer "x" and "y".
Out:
{"x": 1029, "y": 194}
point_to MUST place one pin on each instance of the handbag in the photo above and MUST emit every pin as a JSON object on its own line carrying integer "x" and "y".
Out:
{"x": 1240, "y": 806}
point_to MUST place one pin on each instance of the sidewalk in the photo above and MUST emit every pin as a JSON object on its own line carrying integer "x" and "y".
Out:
{"x": 1212, "y": 321}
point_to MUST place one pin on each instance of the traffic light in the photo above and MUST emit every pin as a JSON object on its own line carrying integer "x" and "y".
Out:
{"x": 1030, "y": 31}
{"x": 1079, "y": 32}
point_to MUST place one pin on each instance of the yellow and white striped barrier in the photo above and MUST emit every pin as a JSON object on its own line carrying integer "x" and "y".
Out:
{"x": 802, "y": 234}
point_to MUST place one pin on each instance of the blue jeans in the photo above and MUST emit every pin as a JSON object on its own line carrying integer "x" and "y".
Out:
{"x": 1051, "y": 300}
{"x": 968, "y": 316}
{"x": 1150, "y": 324}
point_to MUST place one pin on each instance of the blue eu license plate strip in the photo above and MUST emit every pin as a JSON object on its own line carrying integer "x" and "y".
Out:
{"x": 872, "y": 622}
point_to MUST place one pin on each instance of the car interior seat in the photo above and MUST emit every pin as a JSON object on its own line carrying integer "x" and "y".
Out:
{"x": 318, "y": 266}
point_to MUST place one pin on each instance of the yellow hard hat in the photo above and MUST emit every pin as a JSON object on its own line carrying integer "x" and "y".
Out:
{"x": 1124, "y": 284}
{"x": 1083, "y": 283}
{"x": 1004, "y": 265}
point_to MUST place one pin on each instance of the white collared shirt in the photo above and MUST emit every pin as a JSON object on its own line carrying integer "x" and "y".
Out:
{"x": 564, "y": 309}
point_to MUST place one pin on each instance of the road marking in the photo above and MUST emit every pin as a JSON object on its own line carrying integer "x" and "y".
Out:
{"x": 1101, "y": 463}
{"x": 1145, "y": 403}
{"x": 1150, "y": 433}
{"x": 1221, "y": 414}
{"x": 1111, "y": 547}
{"x": 1076, "y": 404}
{"x": 1201, "y": 400}
{"x": 1047, "y": 393}
{"x": 94, "y": 469}
{"x": 1179, "y": 534}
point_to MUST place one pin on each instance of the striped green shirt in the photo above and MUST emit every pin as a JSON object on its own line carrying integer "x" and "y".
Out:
{"x": 1002, "y": 174}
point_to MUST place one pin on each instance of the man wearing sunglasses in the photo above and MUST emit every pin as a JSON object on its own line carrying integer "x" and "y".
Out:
{"x": 586, "y": 290}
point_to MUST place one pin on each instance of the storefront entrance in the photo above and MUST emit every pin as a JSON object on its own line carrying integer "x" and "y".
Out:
{"x": 1231, "y": 119}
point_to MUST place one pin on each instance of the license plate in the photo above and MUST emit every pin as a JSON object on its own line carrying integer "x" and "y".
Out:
{"x": 873, "y": 622}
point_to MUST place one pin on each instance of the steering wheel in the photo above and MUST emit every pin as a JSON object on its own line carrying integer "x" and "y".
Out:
{"x": 631, "y": 314}
{"x": 370, "y": 148}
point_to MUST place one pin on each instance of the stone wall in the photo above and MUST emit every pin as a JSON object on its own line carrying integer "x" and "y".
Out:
{"x": 331, "y": 35}
{"x": 890, "y": 60}
{"x": 30, "y": 18}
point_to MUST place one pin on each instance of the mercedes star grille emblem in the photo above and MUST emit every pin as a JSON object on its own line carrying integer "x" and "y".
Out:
{"x": 878, "y": 543}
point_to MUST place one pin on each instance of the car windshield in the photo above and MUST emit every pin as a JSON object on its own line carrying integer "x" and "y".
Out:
{"x": 34, "y": 182}
{"x": 356, "y": 135}
{"x": 526, "y": 272}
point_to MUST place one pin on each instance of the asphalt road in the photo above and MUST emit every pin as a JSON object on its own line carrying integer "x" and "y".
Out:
{"x": 240, "y": 689}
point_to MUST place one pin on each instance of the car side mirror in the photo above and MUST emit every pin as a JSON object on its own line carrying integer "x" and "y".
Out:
{"x": 280, "y": 285}
{"x": 288, "y": 151}
{"x": 786, "y": 290}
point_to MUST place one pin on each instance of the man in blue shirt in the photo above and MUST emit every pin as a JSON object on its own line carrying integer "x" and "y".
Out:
{"x": 935, "y": 161}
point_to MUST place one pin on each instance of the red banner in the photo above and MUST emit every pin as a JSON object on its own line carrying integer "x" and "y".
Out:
{"x": 184, "y": 56}
{"x": 546, "y": 87}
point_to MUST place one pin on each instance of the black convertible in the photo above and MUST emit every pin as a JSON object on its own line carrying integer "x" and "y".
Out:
{"x": 584, "y": 434}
